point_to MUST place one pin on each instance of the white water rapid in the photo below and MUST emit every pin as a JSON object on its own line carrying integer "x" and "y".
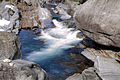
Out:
{"x": 57, "y": 40}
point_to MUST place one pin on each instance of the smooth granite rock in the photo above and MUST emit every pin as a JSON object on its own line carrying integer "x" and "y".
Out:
{"x": 87, "y": 74}
{"x": 99, "y": 20}
{"x": 107, "y": 68}
{"x": 9, "y": 46}
{"x": 21, "y": 70}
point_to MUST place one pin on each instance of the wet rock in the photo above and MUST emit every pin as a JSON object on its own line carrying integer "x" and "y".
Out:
{"x": 9, "y": 17}
{"x": 32, "y": 14}
{"x": 99, "y": 20}
{"x": 87, "y": 74}
{"x": 9, "y": 46}
{"x": 21, "y": 70}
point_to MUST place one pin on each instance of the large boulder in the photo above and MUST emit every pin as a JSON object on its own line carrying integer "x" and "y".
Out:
{"x": 20, "y": 70}
{"x": 9, "y": 46}
{"x": 99, "y": 20}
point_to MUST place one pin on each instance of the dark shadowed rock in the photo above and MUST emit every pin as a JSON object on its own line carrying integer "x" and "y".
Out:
{"x": 9, "y": 46}
{"x": 21, "y": 70}
{"x": 99, "y": 20}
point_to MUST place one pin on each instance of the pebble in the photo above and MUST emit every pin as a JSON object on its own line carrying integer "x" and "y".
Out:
{"x": 7, "y": 60}
{"x": 11, "y": 64}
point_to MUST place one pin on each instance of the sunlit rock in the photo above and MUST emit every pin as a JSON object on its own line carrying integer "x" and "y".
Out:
{"x": 62, "y": 10}
{"x": 108, "y": 69}
{"x": 99, "y": 20}
{"x": 33, "y": 15}
{"x": 7, "y": 60}
{"x": 9, "y": 17}
{"x": 11, "y": 64}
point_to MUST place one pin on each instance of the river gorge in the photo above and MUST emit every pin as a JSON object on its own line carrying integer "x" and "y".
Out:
{"x": 59, "y": 40}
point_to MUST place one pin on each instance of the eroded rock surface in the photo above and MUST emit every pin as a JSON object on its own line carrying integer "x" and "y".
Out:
{"x": 108, "y": 69}
{"x": 9, "y": 17}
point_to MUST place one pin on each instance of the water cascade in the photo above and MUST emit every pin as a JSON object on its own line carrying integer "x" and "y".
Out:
{"x": 57, "y": 40}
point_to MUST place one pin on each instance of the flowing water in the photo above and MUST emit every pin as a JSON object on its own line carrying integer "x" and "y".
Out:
{"x": 50, "y": 48}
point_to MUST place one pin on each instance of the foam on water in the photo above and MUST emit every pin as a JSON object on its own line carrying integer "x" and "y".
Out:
{"x": 57, "y": 40}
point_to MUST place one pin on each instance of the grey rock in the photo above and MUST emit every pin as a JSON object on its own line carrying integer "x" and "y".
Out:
{"x": 90, "y": 74}
{"x": 73, "y": 4}
{"x": 10, "y": 15}
{"x": 21, "y": 70}
{"x": 9, "y": 46}
{"x": 105, "y": 63}
{"x": 44, "y": 17}
{"x": 99, "y": 20}
{"x": 87, "y": 74}
{"x": 107, "y": 68}
{"x": 63, "y": 11}
{"x": 76, "y": 76}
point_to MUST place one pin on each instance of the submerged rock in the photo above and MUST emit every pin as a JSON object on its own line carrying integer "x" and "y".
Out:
{"x": 9, "y": 46}
{"x": 99, "y": 20}
{"x": 21, "y": 70}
